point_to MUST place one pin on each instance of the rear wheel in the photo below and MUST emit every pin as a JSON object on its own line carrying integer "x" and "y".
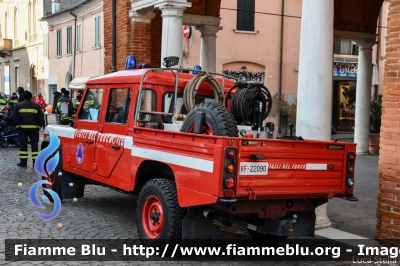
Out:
{"x": 219, "y": 121}
{"x": 158, "y": 215}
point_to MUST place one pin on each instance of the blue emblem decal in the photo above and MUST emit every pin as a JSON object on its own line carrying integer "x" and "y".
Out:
{"x": 80, "y": 153}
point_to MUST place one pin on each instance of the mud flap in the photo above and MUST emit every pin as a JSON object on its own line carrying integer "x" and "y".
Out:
{"x": 196, "y": 229}
{"x": 72, "y": 186}
{"x": 305, "y": 224}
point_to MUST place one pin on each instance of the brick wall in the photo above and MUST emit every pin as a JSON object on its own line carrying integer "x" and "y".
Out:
{"x": 388, "y": 211}
{"x": 123, "y": 34}
{"x": 156, "y": 37}
{"x": 142, "y": 40}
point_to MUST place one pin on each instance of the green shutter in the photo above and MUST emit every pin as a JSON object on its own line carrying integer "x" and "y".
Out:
{"x": 245, "y": 15}
{"x": 337, "y": 46}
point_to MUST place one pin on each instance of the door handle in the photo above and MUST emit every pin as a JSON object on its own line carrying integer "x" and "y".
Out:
{"x": 116, "y": 147}
{"x": 89, "y": 141}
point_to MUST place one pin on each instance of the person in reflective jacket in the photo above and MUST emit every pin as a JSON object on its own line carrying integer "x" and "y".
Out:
{"x": 29, "y": 119}
{"x": 3, "y": 100}
{"x": 14, "y": 98}
{"x": 65, "y": 108}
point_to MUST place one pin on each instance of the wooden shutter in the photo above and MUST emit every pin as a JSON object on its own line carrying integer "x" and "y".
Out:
{"x": 245, "y": 15}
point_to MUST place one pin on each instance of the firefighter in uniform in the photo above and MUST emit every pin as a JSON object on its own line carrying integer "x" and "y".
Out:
{"x": 28, "y": 118}
{"x": 90, "y": 103}
{"x": 65, "y": 108}
{"x": 3, "y": 100}
{"x": 14, "y": 98}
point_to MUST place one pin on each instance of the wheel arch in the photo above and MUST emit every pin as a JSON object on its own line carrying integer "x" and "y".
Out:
{"x": 150, "y": 169}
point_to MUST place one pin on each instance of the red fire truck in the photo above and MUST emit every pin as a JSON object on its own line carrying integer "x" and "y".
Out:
{"x": 194, "y": 149}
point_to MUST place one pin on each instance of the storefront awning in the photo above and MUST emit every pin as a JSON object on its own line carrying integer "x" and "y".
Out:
{"x": 78, "y": 83}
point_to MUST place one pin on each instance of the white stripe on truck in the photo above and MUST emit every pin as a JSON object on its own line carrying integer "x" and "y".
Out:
{"x": 166, "y": 157}
{"x": 315, "y": 166}
{"x": 61, "y": 131}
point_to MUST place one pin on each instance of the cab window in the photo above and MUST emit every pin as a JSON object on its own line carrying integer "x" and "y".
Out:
{"x": 91, "y": 105}
{"x": 168, "y": 104}
{"x": 118, "y": 106}
{"x": 148, "y": 103}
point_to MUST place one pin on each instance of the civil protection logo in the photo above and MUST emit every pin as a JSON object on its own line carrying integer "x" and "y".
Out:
{"x": 44, "y": 169}
{"x": 80, "y": 153}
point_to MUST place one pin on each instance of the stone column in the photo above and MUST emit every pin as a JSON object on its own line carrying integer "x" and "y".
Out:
{"x": 363, "y": 96}
{"x": 314, "y": 102}
{"x": 208, "y": 50}
{"x": 172, "y": 31}
{"x": 140, "y": 35}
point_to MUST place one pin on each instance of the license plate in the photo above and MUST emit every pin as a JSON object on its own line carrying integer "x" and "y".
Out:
{"x": 253, "y": 168}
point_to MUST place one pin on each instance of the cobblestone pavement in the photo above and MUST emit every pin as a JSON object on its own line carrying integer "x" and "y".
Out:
{"x": 102, "y": 214}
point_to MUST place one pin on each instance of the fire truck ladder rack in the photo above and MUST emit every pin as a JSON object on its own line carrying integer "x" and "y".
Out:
{"x": 138, "y": 103}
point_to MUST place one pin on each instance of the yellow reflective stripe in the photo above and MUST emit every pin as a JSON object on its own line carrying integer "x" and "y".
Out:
{"x": 89, "y": 102}
{"x": 35, "y": 153}
{"x": 23, "y": 157}
{"x": 23, "y": 110}
{"x": 3, "y": 101}
{"x": 23, "y": 152}
{"x": 33, "y": 157}
{"x": 28, "y": 126}
{"x": 77, "y": 103}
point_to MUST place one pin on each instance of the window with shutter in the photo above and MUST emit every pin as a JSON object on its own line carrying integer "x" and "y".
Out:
{"x": 245, "y": 15}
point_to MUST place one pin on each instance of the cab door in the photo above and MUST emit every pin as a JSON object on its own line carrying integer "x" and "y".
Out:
{"x": 82, "y": 149}
{"x": 112, "y": 146}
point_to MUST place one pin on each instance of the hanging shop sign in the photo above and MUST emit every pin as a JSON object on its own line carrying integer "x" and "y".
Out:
{"x": 348, "y": 70}
{"x": 250, "y": 77}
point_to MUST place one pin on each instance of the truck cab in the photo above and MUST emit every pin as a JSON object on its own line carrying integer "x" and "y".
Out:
{"x": 133, "y": 132}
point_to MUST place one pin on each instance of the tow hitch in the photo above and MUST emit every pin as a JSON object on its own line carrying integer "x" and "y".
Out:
{"x": 278, "y": 227}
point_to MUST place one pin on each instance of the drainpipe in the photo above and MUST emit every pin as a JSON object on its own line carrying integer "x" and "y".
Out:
{"x": 280, "y": 69}
{"x": 378, "y": 51}
{"x": 74, "y": 43}
{"x": 114, "y": 37}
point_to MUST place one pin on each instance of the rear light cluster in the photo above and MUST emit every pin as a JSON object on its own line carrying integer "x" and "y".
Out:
{"x": 229, "y": 174}
{"x": 351, "y": 160}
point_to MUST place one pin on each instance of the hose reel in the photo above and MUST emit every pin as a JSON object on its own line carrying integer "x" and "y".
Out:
{"x": 192, "y": 87}
{"x": 250, "y": 104}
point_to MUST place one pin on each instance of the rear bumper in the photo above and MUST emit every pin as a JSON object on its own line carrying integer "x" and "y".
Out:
{"x": 268, "y": 208}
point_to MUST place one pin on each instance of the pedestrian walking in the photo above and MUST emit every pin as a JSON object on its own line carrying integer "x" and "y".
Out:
{"x": 56, "y": 96}
{"x": 20, "y": 91}
{"x": 65, "y": 108}
{"x": 28, "y": 118}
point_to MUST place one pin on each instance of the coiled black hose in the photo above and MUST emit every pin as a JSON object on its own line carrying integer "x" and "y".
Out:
{"x": 244, "y": 99}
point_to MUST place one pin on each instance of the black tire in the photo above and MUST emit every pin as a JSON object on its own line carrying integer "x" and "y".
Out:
{"x": 171, "y": 231}
{"x": 220, "y": 119}
{"x": 4, "y": 144}
{"x": 266, "y": 238}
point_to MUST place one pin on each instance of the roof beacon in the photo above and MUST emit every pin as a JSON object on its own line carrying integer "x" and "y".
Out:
{"x": 130, "y": 62}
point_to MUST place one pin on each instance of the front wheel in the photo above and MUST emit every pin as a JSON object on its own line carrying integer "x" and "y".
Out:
{"x": 158, "y": 215}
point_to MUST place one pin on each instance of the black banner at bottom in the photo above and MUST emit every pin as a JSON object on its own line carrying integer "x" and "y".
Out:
{"x": 356, "y": 251}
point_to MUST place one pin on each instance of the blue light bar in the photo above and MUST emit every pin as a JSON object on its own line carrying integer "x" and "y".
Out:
{"x": 130, "y": 62}
{"x": 197, "y": 68}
